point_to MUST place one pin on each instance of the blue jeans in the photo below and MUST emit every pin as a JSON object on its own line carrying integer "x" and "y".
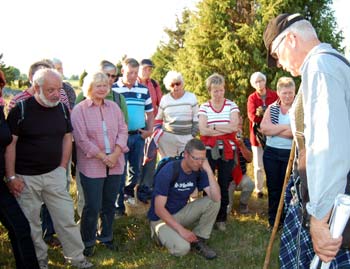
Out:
{"x": 100, "y": 195}
{"x": 275, "y": 164}
{"x": 12, "y": 217}
{"x": 133, "y": 164}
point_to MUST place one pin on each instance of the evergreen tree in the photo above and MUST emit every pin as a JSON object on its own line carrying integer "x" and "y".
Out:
{"x": 226, "y": 37}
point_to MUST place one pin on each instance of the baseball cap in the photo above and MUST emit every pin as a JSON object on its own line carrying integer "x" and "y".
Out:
{"x": 274, "y": 28}
{"x": 147, "y": 62}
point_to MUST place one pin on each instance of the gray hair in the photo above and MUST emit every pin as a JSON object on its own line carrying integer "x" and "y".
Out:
{"x": 40, "y": 75}
{"x": 107, "y": 65}
{"x": 256, "y": 75}
{"x": 214, "y": 79}
{"x": 303, "y": 29}
{"x": 170, "y": 77}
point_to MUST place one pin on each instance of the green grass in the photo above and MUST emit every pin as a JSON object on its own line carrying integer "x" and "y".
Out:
{"x": 242, "y": 246}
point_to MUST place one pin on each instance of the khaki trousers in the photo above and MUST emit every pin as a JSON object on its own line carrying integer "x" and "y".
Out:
{"x": 51, "y": 189}
{"x": 200, "y": 213}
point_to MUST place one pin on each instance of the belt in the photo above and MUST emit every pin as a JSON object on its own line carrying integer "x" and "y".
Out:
{"x": 134, "y": 132}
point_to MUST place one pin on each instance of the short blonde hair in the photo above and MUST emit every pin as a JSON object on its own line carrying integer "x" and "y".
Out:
{"x": 285, "y": 82}
{"x": 90, "y": 80}
{"x": 214, "y": 79}
{"x": 170, "y": 77}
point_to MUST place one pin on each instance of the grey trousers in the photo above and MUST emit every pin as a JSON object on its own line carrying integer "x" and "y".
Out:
{"x": 51, "y": 189}
{"x": 201, "y": 214}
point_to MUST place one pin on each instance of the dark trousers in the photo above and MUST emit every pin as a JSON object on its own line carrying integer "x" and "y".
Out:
{"x": 275, "y": 164}
{"x": 224, "y": 169}
{"x": 100, "y": 195}
{"x": 12, "y": 217}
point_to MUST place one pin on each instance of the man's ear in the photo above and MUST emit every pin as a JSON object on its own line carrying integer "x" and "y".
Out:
{"x": 36, "y": 88}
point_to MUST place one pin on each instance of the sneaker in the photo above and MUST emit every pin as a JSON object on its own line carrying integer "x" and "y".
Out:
{"x": 89, "y": 251}
{"x": 220, "y": 225}
{"x": 110, "y": 245}
{"x": 81, "y": 264}
{"x": 202, "y": 249}
{"x": 43, "y": 264}
{"x": 243, "y": 208}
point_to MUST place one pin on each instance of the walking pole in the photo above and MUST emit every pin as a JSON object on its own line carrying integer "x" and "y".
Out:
{"x": 280, "y": 207}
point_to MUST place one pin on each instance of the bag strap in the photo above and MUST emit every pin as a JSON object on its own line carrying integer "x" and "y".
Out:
{"x": 339, "y": 56}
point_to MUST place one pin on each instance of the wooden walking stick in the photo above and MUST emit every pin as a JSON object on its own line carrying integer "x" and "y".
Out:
{"x": 280, "y": 207}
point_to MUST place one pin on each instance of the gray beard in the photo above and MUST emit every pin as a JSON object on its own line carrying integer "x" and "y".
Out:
{"x": 45, "y": 101}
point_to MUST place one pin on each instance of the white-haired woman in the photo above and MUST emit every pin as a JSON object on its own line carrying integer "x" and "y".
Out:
{"x": 256, "y": 106}
{"x": 178, "y": 116}
{"x": 100, "y": 135}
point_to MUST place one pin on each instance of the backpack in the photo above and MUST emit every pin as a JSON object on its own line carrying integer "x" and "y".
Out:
{"x": 22, "y": 104}
{"x": 144, "y": 193}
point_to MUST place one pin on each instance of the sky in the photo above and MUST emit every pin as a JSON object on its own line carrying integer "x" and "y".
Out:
{"x": 82, "y": 33}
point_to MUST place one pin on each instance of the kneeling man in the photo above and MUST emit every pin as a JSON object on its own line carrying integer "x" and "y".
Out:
{"x": 171, "y": 214}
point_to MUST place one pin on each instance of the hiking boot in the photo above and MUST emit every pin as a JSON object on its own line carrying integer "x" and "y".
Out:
{"x": 243, "y": 209}
{"x": 221, "y": 226}
{"x": 110, "y": 245}
{"x": 81, "y": 264}
{"x": 89, "y": 251}
{"x": 202, "y": 249}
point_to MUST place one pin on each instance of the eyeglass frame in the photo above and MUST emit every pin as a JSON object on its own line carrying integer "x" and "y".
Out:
{"x": 178, "y": 83}
{"x": 197, "y": 158}
{"x": 111, "y": 76}
{"x": 274, "y": 52}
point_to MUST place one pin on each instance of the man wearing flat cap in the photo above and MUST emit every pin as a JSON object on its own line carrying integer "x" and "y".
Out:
{"x": 320, "y": 119}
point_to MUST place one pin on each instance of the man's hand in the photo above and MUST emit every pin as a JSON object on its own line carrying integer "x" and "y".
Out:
{"x": 206, "y": 167}
{"x": 188, "y": 235}
{"x": 259, "y": 111}
{"x": 324, "y": 245}
{"x": 16, "y": 186}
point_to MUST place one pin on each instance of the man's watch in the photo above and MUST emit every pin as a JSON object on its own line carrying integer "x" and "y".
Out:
{"x": 8, "y": 179}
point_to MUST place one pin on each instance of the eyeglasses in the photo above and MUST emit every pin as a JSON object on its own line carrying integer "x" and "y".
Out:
{"x": 274, "y": 52}
{"x": 172, "y": 85}
{"x": 197, "y": 158}
{"x": 111, "y": 76}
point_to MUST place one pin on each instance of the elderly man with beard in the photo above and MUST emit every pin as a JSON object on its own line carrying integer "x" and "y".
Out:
{"x": 36, "y": 162}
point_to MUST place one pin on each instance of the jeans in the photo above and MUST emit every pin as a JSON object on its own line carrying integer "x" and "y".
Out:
{"x": 133, "y": 163}
{"x": 100, "y": 196}
{"x": 224, "y": 178}
{"x": 275, "y": 164}
{"x": 13, "y": 219}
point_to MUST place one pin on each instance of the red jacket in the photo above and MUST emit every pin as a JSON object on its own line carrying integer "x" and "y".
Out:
{"x": 254, "y": 101}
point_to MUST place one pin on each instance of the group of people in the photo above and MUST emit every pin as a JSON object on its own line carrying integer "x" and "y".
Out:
{"x": 117, "y": 125}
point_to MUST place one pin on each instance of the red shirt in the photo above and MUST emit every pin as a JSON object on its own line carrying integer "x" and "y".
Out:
{"x": 254, "y": 101}
{"x": 154, "y": 92}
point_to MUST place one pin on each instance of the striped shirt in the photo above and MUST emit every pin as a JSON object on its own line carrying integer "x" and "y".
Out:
{"x": 87, "y": 120}
{"x": 179, "y": 116}
{"x": 220, "y": 117}
{"x": 138, "y": 102}
{"x": 26, "y": 94}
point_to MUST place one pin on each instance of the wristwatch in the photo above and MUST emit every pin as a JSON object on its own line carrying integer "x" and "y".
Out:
{"x": 8, "y": 179}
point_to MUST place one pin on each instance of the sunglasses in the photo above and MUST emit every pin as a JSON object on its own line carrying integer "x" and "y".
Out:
{"x": 175, "y": 84}
{"x": 111, "y": 76}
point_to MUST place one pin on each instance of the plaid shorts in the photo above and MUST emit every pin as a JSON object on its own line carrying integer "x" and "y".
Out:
{"x": 296, "y": 251}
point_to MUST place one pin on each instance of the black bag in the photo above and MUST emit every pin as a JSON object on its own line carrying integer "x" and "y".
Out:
{"x": 260, "y": 137}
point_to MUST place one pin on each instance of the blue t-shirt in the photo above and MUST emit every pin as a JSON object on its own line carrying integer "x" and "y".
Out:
{"x": 178, "y": 192}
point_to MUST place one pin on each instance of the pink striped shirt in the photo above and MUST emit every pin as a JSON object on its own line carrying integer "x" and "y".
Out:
{"x": 89, "y": 139}
{"x": 26, "y": 94}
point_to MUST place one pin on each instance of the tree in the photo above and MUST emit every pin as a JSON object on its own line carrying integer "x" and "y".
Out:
{"x": 11, "y": 73}
{"x": 226, "y": 37}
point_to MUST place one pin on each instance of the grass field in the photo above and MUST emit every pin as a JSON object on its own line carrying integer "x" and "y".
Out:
{"x": 242, "y": 246}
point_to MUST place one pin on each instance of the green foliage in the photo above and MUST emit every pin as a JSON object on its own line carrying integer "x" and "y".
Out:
{"x": 226, "y": 37}
{"x": 11, "y": 73}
